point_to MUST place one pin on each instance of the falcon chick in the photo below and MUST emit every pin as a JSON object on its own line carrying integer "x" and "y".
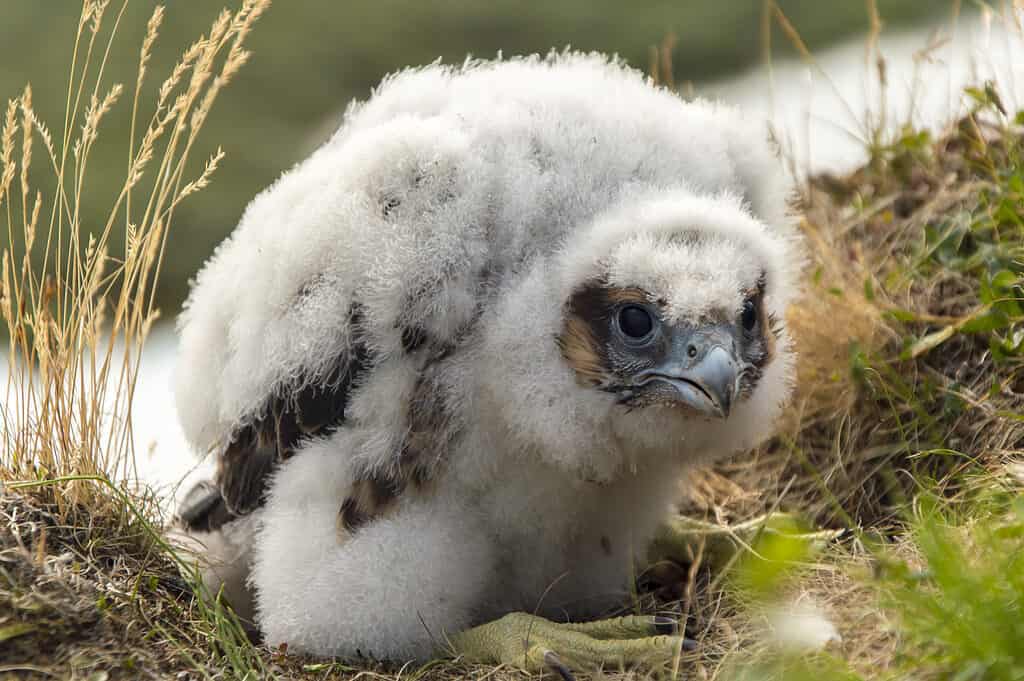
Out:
{"x": 455, "y": 364}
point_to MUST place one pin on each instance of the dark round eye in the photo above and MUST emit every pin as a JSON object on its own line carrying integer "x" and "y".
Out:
{"x": 749, "y": 316}
{"x": 635, "y": 321}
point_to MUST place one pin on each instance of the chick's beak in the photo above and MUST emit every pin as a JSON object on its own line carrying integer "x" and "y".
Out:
{"x": 701, "y": 369}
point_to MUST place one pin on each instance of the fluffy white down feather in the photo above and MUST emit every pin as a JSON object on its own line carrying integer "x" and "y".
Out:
{"x": 470, "y": 202}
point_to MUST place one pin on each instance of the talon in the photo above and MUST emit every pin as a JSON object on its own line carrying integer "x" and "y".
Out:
{"x": 665, "y": 625}
{"x": 555, "y": 663}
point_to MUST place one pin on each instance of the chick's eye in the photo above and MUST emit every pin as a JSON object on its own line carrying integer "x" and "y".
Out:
{"x": 749, "y": 315}
{"x": 635, "y": 321}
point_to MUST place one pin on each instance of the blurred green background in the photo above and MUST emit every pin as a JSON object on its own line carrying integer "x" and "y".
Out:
{"x": 311, "y": 57}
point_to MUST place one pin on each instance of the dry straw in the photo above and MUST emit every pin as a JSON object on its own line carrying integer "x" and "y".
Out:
{"x": 78, "y": 313}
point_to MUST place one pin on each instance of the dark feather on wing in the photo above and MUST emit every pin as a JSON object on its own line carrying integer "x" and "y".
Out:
{"x": 256, "y": 449}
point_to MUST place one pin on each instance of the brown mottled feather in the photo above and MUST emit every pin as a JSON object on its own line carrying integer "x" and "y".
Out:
{"x": 315, "y": 407}
{"x": 242, "y": 467}
{"x": 584, "y": 337}
{"x": 625, "y": 295}
{"x": 581, "y": 351}
{"x": 257, "y": 448}
{"x": 431, "y": 429}
{"x": 368, "y": 498}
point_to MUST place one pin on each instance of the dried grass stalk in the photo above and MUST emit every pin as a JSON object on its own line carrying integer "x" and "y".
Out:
{"x": 77, "y": 324}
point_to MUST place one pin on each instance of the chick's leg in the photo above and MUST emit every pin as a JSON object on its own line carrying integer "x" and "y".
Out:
{"x": 534, "y": 643}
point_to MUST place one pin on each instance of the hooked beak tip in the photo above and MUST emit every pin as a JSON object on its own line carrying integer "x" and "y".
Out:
{"x": 708, "y": 386}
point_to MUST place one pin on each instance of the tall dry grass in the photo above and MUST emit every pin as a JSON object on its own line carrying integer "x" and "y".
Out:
{"x": 77, "y": 313}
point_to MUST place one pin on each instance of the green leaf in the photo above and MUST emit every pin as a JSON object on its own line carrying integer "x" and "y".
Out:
{"x": 781, "y": 546}
{"x": 901, "y": 315}
{"x": 985, "y": 323}
{"x": 1004, "y": 280}
{"x": 992, "y": 95}
{"x": 1008, "y": 212}
{"x": 977, "y": 95}
{"x": 929, "y": 342}
{"x": 869, "y": 289}
{"x": 15, "y": 630}
{"x": 1013, "y": 345}
{"x": 1016, "y": 183}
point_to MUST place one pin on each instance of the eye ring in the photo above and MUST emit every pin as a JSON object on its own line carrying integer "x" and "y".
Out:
{"x": 749, "y": 315}
{"x": 635, "y": 322}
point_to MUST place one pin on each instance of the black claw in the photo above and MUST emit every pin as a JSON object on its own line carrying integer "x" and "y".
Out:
{"x": 665, "y": 625}
{"x": 689, "y": 645}
{"x": 555, "y": 663}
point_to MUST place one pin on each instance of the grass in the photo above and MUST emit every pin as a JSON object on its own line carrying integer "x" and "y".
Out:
{"x": 907, "y": 427}
{"x": 903, "y": 440}
{"x": 88, "y": 581}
